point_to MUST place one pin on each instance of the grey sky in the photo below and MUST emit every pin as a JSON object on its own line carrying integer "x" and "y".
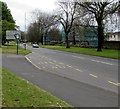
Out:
{"x": 20, "y": 7}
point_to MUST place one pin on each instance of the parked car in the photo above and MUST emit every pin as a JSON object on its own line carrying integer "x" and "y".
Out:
{"x": 35, "y": 46}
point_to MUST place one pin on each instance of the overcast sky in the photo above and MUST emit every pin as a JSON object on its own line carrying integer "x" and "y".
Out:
{"x": 20, "y": 7}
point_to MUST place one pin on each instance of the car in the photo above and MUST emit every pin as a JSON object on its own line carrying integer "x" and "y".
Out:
{"x": 35, "y": 46}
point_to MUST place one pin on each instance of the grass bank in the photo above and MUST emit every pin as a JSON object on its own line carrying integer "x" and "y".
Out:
{"x": 20, "y": 93}
{"x": 108, "y": 53}
{"x": 11, "y": 48}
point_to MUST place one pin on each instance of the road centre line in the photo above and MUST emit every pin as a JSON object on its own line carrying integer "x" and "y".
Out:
{"x": 116, "y": 84}
{"x": 102, "y": 62}
{"x": 93, "y": 75}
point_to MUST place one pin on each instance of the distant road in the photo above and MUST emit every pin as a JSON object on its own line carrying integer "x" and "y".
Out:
{"x": 96, "y": 71}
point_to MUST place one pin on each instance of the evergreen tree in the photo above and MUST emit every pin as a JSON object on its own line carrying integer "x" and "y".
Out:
{"x": 8, "y": 23}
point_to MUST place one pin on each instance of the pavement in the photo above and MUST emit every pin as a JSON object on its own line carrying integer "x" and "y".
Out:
{"x": 76, "y": 93}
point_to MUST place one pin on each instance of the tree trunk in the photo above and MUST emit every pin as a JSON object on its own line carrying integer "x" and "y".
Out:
{"x": 45, "y": 37}
{"x": 42, "y": 39}
{"x": 74, "y": 41}
{"x": 100, "y": 36}
{"x": 67, "y": 41}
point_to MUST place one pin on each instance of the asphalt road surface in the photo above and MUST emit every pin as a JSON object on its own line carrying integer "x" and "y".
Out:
{"x": 96, "y": 71}
{"x": 74, "y": 92}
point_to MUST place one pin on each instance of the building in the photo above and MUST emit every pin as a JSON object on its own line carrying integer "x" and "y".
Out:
{"x": 114, "y": 37}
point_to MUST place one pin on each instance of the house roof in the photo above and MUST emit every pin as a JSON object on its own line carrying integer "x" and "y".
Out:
{"x": 116, "y": 33}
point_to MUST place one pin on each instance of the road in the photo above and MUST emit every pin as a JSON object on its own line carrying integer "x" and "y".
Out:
{"x": 73, "y": 92}
{"x": 91, "y": 70}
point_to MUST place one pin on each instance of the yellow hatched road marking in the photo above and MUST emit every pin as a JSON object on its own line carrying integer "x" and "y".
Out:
{"x": 51, "y": 62}
{"x": 69, "y": 66}
{"x": 59, "y": 66}
{"x": 116, "y": 84}
{"x": 61, "y": 63}
{"x": 93, "y": 75}
{"x": 79, "y": 70}
{"x": 54, "y": 67}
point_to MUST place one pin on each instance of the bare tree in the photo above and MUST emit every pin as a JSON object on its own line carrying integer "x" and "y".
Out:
{"x": 67, "y": 16}
{"x": 32, "y": 33}
{"x": 44, "y": 22}
{"x": 100, "y": 10}
{"x": 55, "y": 34}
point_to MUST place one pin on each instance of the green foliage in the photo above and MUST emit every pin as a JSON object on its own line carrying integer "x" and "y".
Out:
{"x": 0, "y": 11}
{"x": 6, "y": 13}
{"x": 6, "y": 21}
{"x": 6, "y": 26}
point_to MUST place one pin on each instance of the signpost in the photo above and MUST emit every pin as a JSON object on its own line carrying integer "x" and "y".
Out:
{"x": 13, "y": 35}
{"x": 10, "y": 34}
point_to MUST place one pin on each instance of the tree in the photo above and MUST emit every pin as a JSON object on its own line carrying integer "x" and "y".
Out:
{"x": 100, "y": 10}
{"x": 67, "y": 15}
{"x": 6, "y": 13}
{"x": 6, "y": 26}
{"x": 33, "y": 33}
{"x": 44, "y": 22}
{"x": 55, "y": 34}
{"x": 7, "y": 20}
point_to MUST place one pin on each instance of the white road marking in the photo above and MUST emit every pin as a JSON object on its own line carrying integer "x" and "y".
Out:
{"x": 102, "y": 62}
{"x": 32, "y": 63}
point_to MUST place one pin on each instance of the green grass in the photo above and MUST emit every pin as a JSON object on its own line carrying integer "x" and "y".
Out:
{"x": 108, "y": 53}
{"x": 11, "y": 48}
{"x": 20, "y": 93}
{"x": 0, "y": 87}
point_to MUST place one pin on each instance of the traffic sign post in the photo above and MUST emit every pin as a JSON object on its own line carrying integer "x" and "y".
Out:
{"x": 13, "y": 35}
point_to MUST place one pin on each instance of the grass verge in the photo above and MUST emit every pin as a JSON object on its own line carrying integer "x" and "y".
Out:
{"x": 11, "y": 48}
{"x": 20, "y": 93}
{"x": 108, "y": 53}
{"x": 0, "y": 87}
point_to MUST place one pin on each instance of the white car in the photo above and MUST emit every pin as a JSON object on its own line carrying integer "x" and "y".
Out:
{"x": 35, "y": 46}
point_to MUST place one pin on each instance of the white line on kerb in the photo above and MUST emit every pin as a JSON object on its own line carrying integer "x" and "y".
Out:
{"x": 32, "y": 63}
{"x": 102, "y": 62}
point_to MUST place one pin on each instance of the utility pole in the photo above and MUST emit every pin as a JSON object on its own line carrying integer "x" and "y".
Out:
{"x": 25, "y": 33}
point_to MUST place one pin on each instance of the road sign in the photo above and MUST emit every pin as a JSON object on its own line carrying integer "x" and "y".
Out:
{"x": 10, "y": 34}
